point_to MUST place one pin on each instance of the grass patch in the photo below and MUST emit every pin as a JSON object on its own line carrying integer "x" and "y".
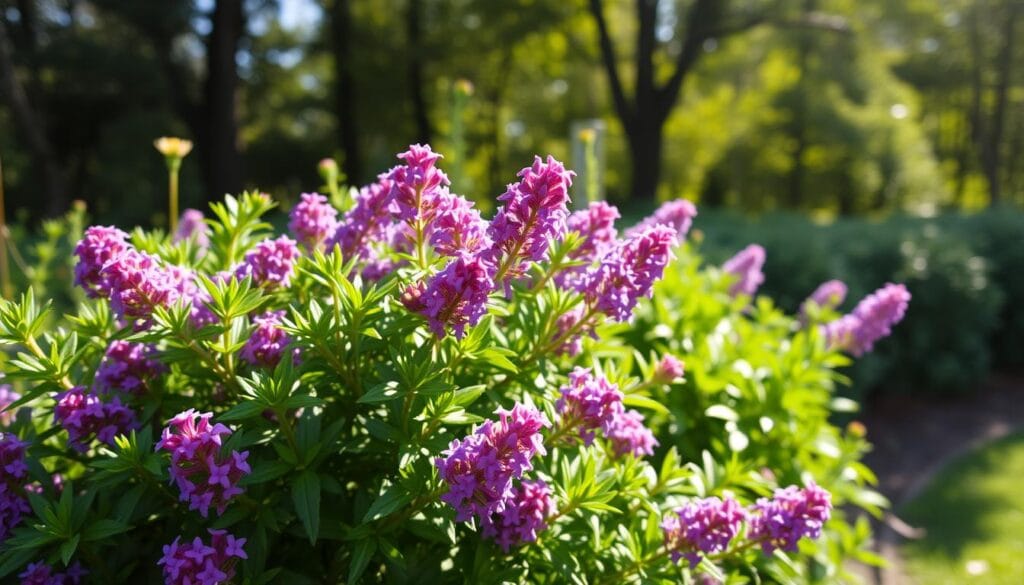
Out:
{"x": 974, "y": 514}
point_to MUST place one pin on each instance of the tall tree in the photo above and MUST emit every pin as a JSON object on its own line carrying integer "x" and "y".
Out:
{"x": 33, "y": 129}
{"x": 222, "y": 160}
{"x": 344, "y": 88}
{"x": 414, "y": 70}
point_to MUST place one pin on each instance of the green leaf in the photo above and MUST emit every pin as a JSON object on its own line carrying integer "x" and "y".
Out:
{"x": 644, "y": 402}
{"x": 386, "y": 504}
{"x": 383, "y": 392}
{"x": 306, "y": 495}
{"x": 103, "y": 529}
{"x": 468, "y": 395}
{"x": 361, "y": 558}
{"x": 243, "y": 411}
{"x": 263, "y": 472}
{"x": 67, "y": 550}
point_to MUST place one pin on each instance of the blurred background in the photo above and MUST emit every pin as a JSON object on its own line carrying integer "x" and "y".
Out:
{"x": 865, "y": 140}
{"x": 828, "y": 106}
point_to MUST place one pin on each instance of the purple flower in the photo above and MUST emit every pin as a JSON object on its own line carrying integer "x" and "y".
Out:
{"x": 746, "y": 266}
{"x": 313, "y": 220}
{"x": 791, "y": 514}
{"x": 589, "y": 403}
{"x": 271, "y": 263}
{"x": 524, "y": 515}
{"x": 479, "y": 469}
{"x": 456, "y": 297}
{"x": 628, "y": 272}
{"x": 458, "y": 228}
{"x": 628, "y": 434}
{"x": 668, "y": 369}
{"x": 127, "y": 367}
{"x": 40, "y": 573}
{"x": 192, "y": 226}
{"x": 84, "y": 415}
{"x": 534, "y": 213}
{"x": 266, "y": 344}
{"x": 204, "y": 477}
{"x": 596, "y": 226}
{"x": 416, "y": 184}
{"x": 138, "y": 283}
{"x": 195, "y": 563}
{"x": 829, "y": 295}
{"x": 367, "y": 223}
{"x": 703, "y": 526}
{"x": 7, "y": 397}
{"x": 870, "y": 321}
{"x": 677, "y": 214}
{"x": 97, "y": 248}
{"x": 13, "y": 473}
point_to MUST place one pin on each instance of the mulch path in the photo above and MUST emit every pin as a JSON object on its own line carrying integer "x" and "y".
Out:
{"x": 914, "y": 437}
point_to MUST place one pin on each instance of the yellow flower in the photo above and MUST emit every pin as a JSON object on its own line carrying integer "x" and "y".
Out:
{"x": 464, "y": 87}
{"x": 172, "y": 147}
{"x": 588, "y": 135}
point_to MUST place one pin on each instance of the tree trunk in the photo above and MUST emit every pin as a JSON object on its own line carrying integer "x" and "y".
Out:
{"x": 645, "y": 149}
{"x": 414, "y": 70}
{"x": 992, "y": 155}
{"x": 31, "y": 126}
{"x": 222, "y": 160}
{"x": 344, "y": 90}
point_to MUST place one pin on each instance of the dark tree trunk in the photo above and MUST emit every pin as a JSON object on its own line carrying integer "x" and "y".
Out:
{"x": 798, "y": 174}
{"x": 414, "y": 65}
{"x": 992, "y": 153}
{"x": 645, "y": 151}
{"x": 222, "y": 162}
{"x": 344, "y": 90}
{"x": 32, "y": 128}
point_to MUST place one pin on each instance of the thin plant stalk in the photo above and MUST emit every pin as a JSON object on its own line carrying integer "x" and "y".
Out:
{"x": 5, "y": 268}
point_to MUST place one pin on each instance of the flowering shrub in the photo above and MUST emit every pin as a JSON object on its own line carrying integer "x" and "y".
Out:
{"x": 405, "y": 391}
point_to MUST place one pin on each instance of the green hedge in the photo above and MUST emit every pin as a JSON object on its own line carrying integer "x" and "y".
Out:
{"x": 964, "y": 273}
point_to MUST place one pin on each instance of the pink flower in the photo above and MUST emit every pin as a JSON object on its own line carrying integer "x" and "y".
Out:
{"x": 456, "y": 297}
{"x": 589, "y": 402}
{"x": 628, "y": 434}
{"x": 271, "y": 263}
{"x": 678, "y": 214}
{"x": 195, "y": 563}
{"x": 313, "y": 220}
{"x": 84, "y": 415}
{"x": 746, "y": 266}
{"x": 701, "y": 527}
{"x": 791, "y": 514}
{"x": 204, "y": 478}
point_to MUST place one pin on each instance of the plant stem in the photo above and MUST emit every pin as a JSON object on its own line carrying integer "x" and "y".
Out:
{"x": 172, "y": 191}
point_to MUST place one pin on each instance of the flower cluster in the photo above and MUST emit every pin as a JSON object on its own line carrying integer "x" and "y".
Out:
{"x": 791, "y": 514}
{"x": 416, "y": 184}
{"x": 13, "y": 471}
{"x": 42, "y": 574}
{"x": 458, "y": 227}
{"x": 746, "y": 266}
{"x": 455, "y": 297}
{"x": 7, "y": 397}
{"x": 84, "y": 415}
{"x": 267, "y": 342}
{"x": 628, "y": 272}
{"x": 668, "y": 369}
{"x": 596, "y": 227}
{"x": 533, "y": 213}
{"x": 677, "y": 214}
{"x": 702, "y": 527}
{"x": 202, "y": 475}
{"x": 196, "y": 563}
{"x": 524, "y": 515}
{"x": 98, "y": 247}
{"x": 870, "y": 321}
{"x": 367, "y": 225}
{"x": 313, "y": 220}
{"x": 127, "y": 367}
{"x": 192, "y": 226}
{"x": 589, "y": 403}
{"x": 829, "y": 295}
{"x": 480, "y": 468}
{"x": 628, "y": 435}
{"x": 271, "y": 263}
